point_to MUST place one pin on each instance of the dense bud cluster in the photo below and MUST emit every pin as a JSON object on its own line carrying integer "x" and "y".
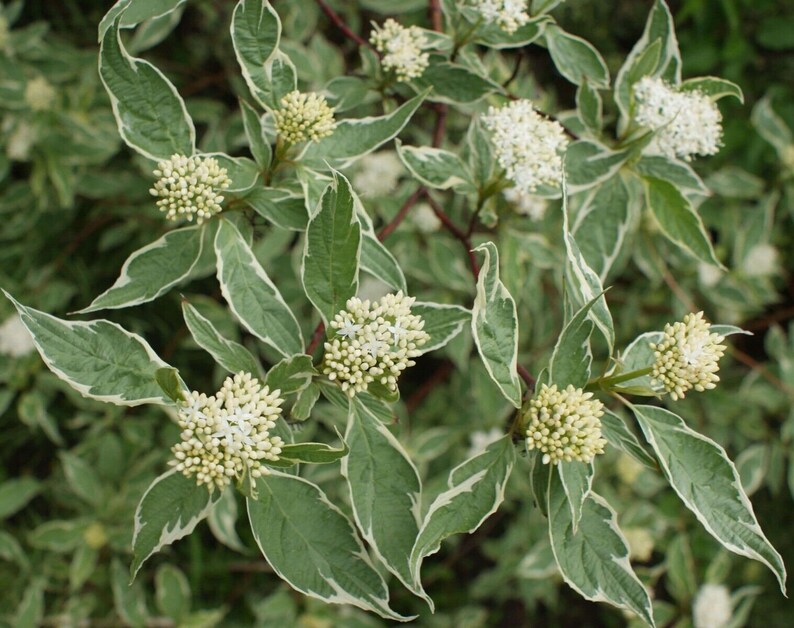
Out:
{"x": 373, "y": 342}
{"x": 688, "y": 356}
{"x": 713, "y": 607}
{"x": 39, "y": 94}
{"x": 565, "y": 425}
{"x": 304, "y": 117}
{"x": 401, "y": 48}
{"x": 509, "y": 15}
{"x": 227, "y": 435}
{"x": 189, "y": 187}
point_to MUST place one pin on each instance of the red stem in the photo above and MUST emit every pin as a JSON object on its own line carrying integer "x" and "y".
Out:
{"x": 342, "y": 25}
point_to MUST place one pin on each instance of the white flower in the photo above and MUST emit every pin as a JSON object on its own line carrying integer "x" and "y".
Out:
{"x": 15, "y": 339}
{"x": 507, "y": 14}
{"x": 388, "y": 336}
{"x": 761, "y": 260}
{"x": 188, "y": 187}
{"x": 401, "y": 48}
{"x": 687, "y": 123}
{"x": 709, "y": 275}
{"x": 640, "y": 543}
{"x": 425, "y": 218}
{"x": 688, "y": 356}
{"x": 526, "y": 204}
{"x": 528, "y": 146}
{"x": 712, "y": 607}
{"x": 565, "y": 425}
{"x": 481, "y": 439}
{"x": 20, "y": 142}
{"x": 378, "y": 174}
{"x": 303, "y": 117}
{"x": 39, "y": 94}
{"x": 227, "y": 435}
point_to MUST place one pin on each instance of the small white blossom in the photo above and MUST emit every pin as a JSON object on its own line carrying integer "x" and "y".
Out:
{"x": 20, "y": 142}
{"x": 509, "y": 15}
{"x": 388, "y": 336}
{"x": 378, "y": 174}
{"x": 481, "y": 439}
{"x": 640, "y": 543}
{"x": 227, "y": 435}
{"x": 348, "y": 329}
{"x": 39, "y": 94}
{"x": 565, "y": 425}
{"x": 712, "y": 607}
{"x": 761, "y": 260}
{"x": 15, "y": 339}
{"x": 304, "y": 116}
{"x": 423, "y": 216}
{"x": 688, "y": 356}
{"x": 687, "y": 123}
{"x": 401, "y": 48}
{"x": 528, "y": 146}
{"x": 188, "y": 187}
{"x": 709, "y": 275}
{"x": 527, "y": 204}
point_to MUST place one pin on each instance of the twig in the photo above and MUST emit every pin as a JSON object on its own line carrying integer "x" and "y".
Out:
{"x": 434, "y": 8}
{"x": 406, "y": 207}
{"x": 529, "y": 380}
{"x": 316, "y": 337}
{"x": 440, "y": 374}
{"x": 342, "y": 26}
{"x": 455, "y": 231}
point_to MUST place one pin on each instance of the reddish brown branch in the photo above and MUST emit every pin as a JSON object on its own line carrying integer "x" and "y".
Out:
{"x": 342, "y": 25}
{"x": 529, "y": 380}
{"x": 316, "y": 337}
{"x": 434, "y": 7}
{"x": 440, "y": 374}
{"x": 401, "y": 214}
{"x": 455, "y": 231}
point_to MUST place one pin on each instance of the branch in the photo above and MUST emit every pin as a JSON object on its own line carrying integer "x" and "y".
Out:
{"x": 455, "y": 231}
{"x": 342, "y": 25}
{"x": 406, "y": 207}
{"x": 434, "y": 8}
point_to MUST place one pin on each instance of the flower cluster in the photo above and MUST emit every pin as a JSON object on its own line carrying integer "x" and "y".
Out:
{"x": 565, "y": 425}
{"x": 687, "y": 123}
{"x": 528, "y": 146}
{"x": 228, "y": 434}
{"x": 39, "y": 94}
{"x": 713, "y": 607}
{"x": 526, "y": 204}
{"x": 15, "y": 339}
{"x": 687, "y": 356}
{"x": 509, "y": 15}
{"x": 401, "y": 48}
{"x": 188, "y": 187}
{"x": 378, "y": 174}
{"x": 373, "y": 342}
{"x": 303, "y": 117}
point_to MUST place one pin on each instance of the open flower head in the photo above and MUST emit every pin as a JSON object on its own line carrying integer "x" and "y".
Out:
{"x": 378, "y": 174}
{"x": 189, "y": 187}
{"x": 227, "y": 435}
{"x": 528, "y": 146}
{"x": 687, "y": 356}
{"x": 687, "y": 123}
{"x": 401, "y": 48}
{"x": 713, "y": 607}
{"x": 565, "y": 425}
{"x": 509, "y": 15}
{"x": 373, "y": 342}
{"x": 40, "y": 94}
{"x": 304, "y": 116}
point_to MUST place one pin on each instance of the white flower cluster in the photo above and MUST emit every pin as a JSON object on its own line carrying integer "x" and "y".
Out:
{"x": 687, "y": 123}
{"x": 378, "y": 174}
{"x": 509, "y": 15}
{"x": 565, "y": 425}
{"x": 373, "y": 342}
{"x": 188, "y": 187}
{"x": 526, "y": 204}
{"x": 303, "y": 117}
{"x": 713, "y": 607}
{"x": 528, "y": 146}
{"x": 227, "y": 435}
{"x": 15, "y": 339}
{"x": 39, "y": 94}
{"x": 761, "y": 260}
{"x": 688, "y": 356}
{"x": 401, "y": 48}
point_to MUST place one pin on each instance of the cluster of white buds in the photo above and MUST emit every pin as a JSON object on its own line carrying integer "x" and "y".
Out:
{"x": 373, "y": 342}
{"x": 378, "y": 174}
{"x": 526, "y": 204}
{"x": 565, "y": 425}
{"x": 687, "y": 356}
{"x": 189, "y": 187}
{"x": 687, "y": 123}
{"x": 39, "y": 94}
{"x": 528, "y": 146}
{"x": 15, "y": 339}
{"x": 401, "y": 48}
{"x": 713, "y": 607}
{"x": 509, "y": 15}
{"x": 304, "y": 116}
{"x": 227, "y": 435}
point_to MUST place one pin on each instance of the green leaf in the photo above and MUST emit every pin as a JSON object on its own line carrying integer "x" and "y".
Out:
{"x": 312, "y": 546}
{"x": 291, "y": 375}
{"x": 281, "y": 207}
{"x": 452, "y": 83}
{"x": 588, "y": 163}
{"x": 678, "y": 220}
{"x": 99, "y": 359}
{"x": 478, "y": 152}
{"x": 377, "y": 260}
{"x": 705, "y": 479}
{"x": 673, "y": 171}
{"x": 354, "y": 138}
{"x": 255, "y": 31}
{"x": 172, "y": 592}
{"x": 575, "y": 58}
{"x": 770, "y": 126}
{"x": 222, "y": 520}
{"x": 442, "y": 322}
{"x": 169, "y": 510}
{"x": 30, "y": 611}
{"x": 385, "y": 492}
{"x": 434, "y": 167}
{"x": 577, "y": 481}
{"x": 252, "y": 296}
{"x": 307, "y": 398}
{"x": 231, "y": 355}
{"x": 82, "y": 566}
{"x": 594, "y": 560}
{"x": 150, "y": 114}
{"x": 82, "y": 478}
{"x": 138, "y": 11}
{"x": 170, "y": 383}
{"x": 494, "y": 325}
{"x": 16, "y": 493}
{"x": 257, "y": 142}
{"x": 242, "y": 171}
{"x": 713, "y": 87}
{"x": 494, "y": 37}
{"x": 313, "y": 453}
{"x": 572, "y": 356}
{"x": 58, "y": 536}
{"x": 331, "y": 255}
{"x": 615, "y": 430}
{"x": 129, "y": 600}
{"x": 589, "y": 106}
{"x": 476, "y": 489}
{"x": 681, "y": 570}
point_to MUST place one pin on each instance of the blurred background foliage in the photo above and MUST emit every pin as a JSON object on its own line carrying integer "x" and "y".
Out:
{"x": 74, "y": 204}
